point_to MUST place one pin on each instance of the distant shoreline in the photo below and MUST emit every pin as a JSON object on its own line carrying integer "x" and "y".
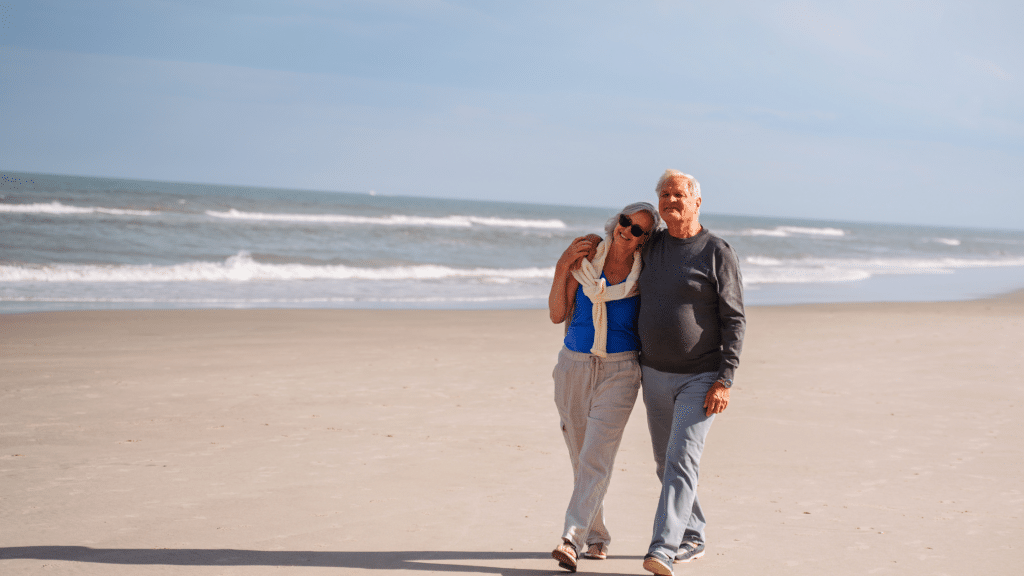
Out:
{"x": 712, "y": 213}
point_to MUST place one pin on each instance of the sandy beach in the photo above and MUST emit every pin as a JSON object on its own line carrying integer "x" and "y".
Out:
{"x": 861, "y": 439}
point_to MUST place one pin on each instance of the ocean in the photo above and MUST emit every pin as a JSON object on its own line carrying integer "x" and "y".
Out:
{"x": 81, "y": 243}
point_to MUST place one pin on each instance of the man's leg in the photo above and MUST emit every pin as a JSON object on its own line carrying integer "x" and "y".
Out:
{"x": 677, "y": 516}
{"x": 695, "y": 526}
{"x": 659, "y": 390}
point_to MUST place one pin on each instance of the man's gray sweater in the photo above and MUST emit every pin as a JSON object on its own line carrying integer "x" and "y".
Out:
{"x": 691, "y": 305}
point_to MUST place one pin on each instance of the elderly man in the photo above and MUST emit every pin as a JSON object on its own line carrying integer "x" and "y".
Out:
{"x": 691, "y": 331}
{"x": 691, "y": 326}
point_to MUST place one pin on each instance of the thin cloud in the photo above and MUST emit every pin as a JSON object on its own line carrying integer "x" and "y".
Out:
{"x": 986, "y": 66}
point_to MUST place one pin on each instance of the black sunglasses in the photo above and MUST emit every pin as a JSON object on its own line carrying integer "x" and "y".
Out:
{"x": 635, "y": 229}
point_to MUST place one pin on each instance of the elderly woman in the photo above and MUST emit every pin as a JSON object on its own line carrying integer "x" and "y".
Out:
{"x": 597, "y": 377}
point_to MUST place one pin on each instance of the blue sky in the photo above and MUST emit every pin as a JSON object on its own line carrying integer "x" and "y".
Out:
{"x": 889, "y": 111}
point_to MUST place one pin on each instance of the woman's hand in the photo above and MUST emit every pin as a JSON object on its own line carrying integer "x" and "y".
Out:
{"x": 563, "y": 286}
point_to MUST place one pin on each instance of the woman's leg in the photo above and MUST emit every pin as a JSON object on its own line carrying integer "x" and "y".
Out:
{"x": 613, "y": 401}
{"x": 595, "y": 398}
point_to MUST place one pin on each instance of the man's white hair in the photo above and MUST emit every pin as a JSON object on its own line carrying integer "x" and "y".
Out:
{"x": 691, "y": 183}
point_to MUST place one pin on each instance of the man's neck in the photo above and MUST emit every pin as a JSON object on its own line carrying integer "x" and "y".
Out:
{"x": 686, "y": 230}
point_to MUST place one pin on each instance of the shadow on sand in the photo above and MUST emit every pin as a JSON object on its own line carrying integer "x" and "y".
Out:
{"x": 432, "y": 560}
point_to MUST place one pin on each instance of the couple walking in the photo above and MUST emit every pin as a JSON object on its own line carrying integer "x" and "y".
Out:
{"x": 661, "y": 304}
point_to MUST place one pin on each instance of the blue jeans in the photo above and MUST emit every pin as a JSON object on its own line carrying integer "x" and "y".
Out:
{"x": 678, "y": 425}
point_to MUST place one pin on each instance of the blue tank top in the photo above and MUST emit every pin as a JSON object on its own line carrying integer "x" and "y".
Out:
{"x": 622, "y": 329}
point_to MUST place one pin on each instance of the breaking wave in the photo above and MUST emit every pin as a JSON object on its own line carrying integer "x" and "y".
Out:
{"x": 62, "y": 209}
{"x": 788, "y": 231}
{"x": 766, "y": 270}
{"x": 242, "y": 268}
{"x": 390, "y": 220}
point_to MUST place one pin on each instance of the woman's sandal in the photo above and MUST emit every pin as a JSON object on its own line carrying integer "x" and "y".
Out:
{"x": 597, "y": 551}
{"x": 565, "y": 553}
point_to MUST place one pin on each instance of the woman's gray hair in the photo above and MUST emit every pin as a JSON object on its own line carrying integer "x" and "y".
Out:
{"x": 691, "y": 182}
{"x": 633, "y": 208}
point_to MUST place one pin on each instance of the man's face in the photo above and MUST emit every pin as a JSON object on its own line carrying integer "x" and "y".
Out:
{"x": 676, "y": 204}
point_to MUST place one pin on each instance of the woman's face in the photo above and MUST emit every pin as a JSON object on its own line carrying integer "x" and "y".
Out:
{"x": 625, "y": 233}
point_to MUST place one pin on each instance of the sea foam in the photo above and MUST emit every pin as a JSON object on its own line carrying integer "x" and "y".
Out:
{"x": 390, "y": 220}
{"x": 787, "y": 231}
{"x": 768, "y": 270}
{"x": 62, "y": 209}
{"x": 249, "y": 301}
{"x": 242, "y": 268}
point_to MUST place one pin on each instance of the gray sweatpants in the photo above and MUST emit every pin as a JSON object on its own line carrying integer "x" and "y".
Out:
{"x": 594, "y": 397}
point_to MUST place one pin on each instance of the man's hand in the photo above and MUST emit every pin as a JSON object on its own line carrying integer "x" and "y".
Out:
{"x": 717, "y": 399}
{"x": 582, "y": 247}
{"x": 594, "y": 240}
